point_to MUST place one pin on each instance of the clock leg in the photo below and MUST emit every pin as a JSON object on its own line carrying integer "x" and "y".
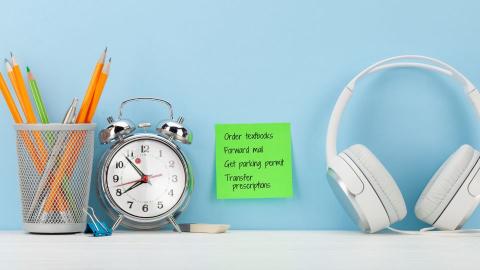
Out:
{"x": 117, "y": 222}
{"x": 174, "y": 224}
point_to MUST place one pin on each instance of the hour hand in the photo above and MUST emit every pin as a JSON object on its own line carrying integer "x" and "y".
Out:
{"x": 135, "y": 167}
{"x": 132, "y": 187}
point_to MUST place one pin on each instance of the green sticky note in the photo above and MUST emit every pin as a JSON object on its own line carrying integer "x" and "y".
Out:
{"x": 253, "y": 161}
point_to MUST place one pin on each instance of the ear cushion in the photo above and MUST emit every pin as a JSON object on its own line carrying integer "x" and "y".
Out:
{"x": 445, "y": 183}
{"x": 382, "y": 182}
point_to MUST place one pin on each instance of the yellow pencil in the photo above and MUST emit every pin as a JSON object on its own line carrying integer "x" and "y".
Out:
{"x": 13, "y": 81}
{"x": 9, "y": 100}
{"x": 20, "y": 83}
{"x": 77, "y": 139}
{"x": 28, "y": 110}
{"x": 82, "y": 115}
{"x": 18, "y": 120}
{"x": 98, "y": 91}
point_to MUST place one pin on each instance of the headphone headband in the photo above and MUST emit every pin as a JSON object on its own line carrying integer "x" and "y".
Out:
{"x": 415, "y": 61}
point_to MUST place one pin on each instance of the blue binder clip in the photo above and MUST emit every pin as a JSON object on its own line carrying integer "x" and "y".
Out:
{"x": 98, "y": 231}
{"x": 95, "y": 226}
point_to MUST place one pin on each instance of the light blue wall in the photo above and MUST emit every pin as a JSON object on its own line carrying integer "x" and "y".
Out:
{"x": 259, "y": 61}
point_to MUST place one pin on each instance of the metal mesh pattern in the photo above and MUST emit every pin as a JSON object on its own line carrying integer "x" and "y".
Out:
{"x": 55, "y": 167}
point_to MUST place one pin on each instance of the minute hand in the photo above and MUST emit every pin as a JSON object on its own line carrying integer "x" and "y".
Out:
{"x": 132, "y": 187}
{"x": 135, "y": 167}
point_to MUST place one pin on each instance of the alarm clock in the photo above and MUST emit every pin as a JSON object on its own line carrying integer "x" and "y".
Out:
{"x": 145, "y": 180}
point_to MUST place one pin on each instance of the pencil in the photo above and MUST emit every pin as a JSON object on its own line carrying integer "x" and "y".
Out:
{"x": 17, "y": 118}
{"x": 20, "y": 83}
{"x": 71, "y": 154}
{"x": 75, "y": 142}
{"x": 13, "y": 81}
{"x": 37, "y": 97}
{"x": 98, "y": 91}
{"x": 82, "y": 115}
{"x": 28, "y": 142}
{"x": 28, "y": 110}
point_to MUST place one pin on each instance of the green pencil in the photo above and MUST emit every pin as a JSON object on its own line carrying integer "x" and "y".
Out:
{"x": 42, "y": 112}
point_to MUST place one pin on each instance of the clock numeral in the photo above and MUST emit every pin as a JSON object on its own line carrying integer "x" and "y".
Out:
{"x": 170, "y": 192}
{"x": 119, "y": 165}
{"x": 130, "y": 204}
{"x": 145, "y": 148}
{"x": 174, "y": 178}
{"x": 160, "y": 205}
{"x": 145, "y": 208}
{"x": 116, "y": 178}
{"x": 130, "y": 153}
{"x": 171, "y": 164}
{"x": 119, "y": 192}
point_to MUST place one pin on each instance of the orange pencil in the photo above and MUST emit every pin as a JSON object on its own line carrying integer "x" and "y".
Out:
{"x": 20, "y": 83}
{"x": 82, "y": 115}
{"x": 98, "y": 91}
{"x": 17, "y": 118}
{"x": 13, "y": 81}
{"x": 10, "y": 102}
{"x": 28, "y": 110}
{"x": 78, "y": 139}
{"x": 71, "y": 154}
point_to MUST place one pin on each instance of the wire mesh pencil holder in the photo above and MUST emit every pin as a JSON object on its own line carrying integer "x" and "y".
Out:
{"x": 55, "y": 168}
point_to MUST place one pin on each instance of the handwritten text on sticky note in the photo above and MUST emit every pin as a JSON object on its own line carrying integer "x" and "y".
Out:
{"x": 253, "y": 161}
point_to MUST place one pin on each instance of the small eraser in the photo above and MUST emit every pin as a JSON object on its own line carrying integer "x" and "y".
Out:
{"x": 204, "y": 228}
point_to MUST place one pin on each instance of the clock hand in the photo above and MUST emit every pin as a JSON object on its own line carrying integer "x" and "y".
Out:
{"x": 135, "y": 167}
{"x": 130, "y": 182}
{"x": 144, "y": 180}
{"x": 132, "y": 187}
{"x": 140, "y": 180}
{"x": 153, "y": 176}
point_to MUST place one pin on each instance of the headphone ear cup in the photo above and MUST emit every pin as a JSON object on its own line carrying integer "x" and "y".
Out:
{"x": 445, "y": 184}
{"x": 381, "y": 181}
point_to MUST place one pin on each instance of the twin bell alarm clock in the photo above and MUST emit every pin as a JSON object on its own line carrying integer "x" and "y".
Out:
{"x": 145, "y": 181}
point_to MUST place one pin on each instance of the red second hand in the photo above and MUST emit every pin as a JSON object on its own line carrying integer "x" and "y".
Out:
{"x": 145, "y": 179}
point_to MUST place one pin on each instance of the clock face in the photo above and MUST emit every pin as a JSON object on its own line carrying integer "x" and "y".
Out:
{"x": 145, "y": 178}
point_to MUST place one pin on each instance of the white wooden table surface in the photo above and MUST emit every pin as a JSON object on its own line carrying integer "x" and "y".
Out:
{"x": 239, "y": 250}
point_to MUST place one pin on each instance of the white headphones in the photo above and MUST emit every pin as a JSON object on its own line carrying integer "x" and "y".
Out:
{"x": 369, "y": 193}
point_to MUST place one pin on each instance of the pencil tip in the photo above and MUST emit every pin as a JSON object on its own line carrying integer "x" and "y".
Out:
{"x": 11, "y": 54}
{"x": 110, "y": 60}
{"x": 6, "y": 61}
{"x": 106, "y": 48}
{"x": 28, "y": 69}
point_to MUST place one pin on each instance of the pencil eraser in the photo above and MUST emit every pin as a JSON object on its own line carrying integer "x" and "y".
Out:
{"x": 204, "y": 228}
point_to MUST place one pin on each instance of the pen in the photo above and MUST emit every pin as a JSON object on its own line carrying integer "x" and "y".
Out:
{"x": 69, "y": 119}
{"x": 69, "y": 116}
{"x": 57, "y": 149}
